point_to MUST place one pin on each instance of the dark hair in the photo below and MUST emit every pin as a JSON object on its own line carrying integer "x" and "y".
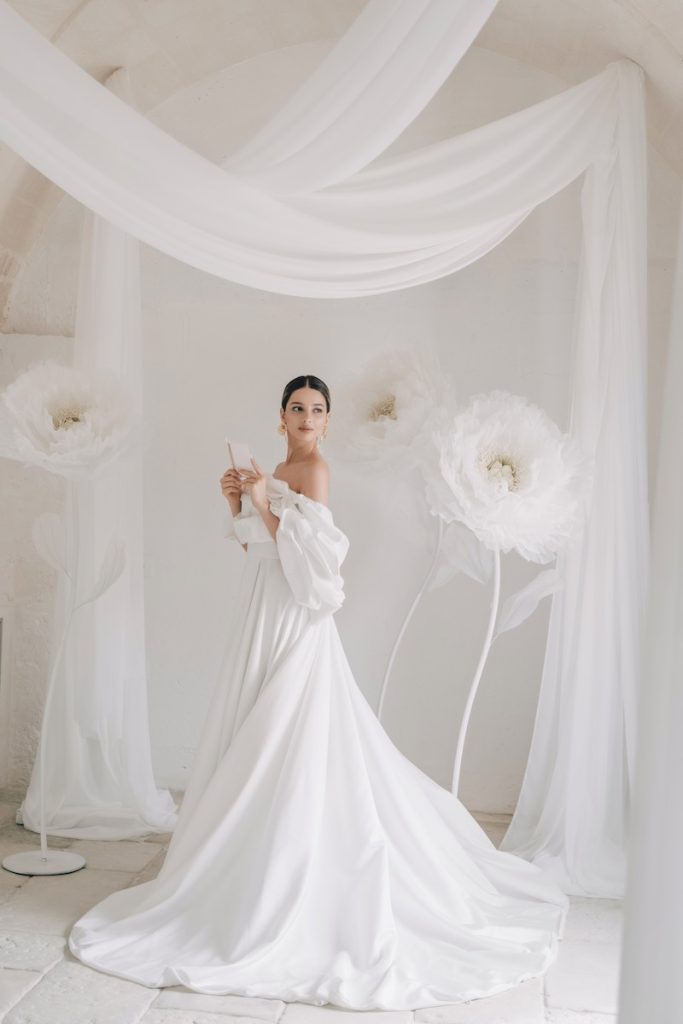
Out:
{"x": 307, "y": 381}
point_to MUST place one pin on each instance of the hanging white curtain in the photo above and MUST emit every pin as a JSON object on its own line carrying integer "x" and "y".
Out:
{"x": 99, "y": 782}
{"x": 280, "y": 217}
{"x": 651, "y": 986}
{"x": 572, "y": 814}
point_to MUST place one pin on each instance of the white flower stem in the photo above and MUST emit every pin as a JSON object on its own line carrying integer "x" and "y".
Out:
{"x": 435, "y": 557}
{"x": 72, "y": 556}
{"x": 495, "y": 598}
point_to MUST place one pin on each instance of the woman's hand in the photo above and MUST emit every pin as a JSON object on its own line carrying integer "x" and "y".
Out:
{"x": 254, "y": 483}
{"x": 231, "y": 487}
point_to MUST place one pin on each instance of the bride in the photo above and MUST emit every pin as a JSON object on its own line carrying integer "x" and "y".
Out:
{"x": 312, "y": 861}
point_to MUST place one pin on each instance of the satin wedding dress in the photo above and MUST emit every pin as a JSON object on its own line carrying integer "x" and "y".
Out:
{"x": 312, "y": 861}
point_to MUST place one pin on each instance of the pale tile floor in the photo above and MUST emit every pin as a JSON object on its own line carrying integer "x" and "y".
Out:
{"x": 42, "y": 983}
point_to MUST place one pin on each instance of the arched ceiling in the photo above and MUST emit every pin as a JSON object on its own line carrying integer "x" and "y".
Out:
{"x": 167, "y": 45}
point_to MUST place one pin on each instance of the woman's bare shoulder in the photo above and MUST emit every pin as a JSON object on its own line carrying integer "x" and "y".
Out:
{"x": 315, "y": 470}
{"x": 311, "y": 478}
{"x": 314, "y": 480}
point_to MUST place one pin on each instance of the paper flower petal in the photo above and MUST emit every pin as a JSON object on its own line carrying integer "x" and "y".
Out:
{"x": 510, "y": 475}
{"x": 521, "y": 605}
{"x": 384, "y": 414}
{"x": 67, "y": 421}
{"x": 462, "y": 552}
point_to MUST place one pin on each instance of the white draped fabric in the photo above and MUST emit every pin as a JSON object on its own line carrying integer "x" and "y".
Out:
{"x": 279, "y": 217}
{"x": 572, "y": 814}
{"x": 413, "y": 219}
{"x": 99, "y": 782}
{"x": 651, "y": 986}
{"x": 381, "y": 73}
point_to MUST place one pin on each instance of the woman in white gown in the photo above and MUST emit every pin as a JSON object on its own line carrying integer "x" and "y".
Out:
{"x": 312, "y": 861}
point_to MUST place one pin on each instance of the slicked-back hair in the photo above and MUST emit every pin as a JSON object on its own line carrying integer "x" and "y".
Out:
{"x": 306, "y": 381}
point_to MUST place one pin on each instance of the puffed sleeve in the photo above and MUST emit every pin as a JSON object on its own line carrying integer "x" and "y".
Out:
{"x": 229, "y": 529}
{"x": 312, "y": 549}
{"x": 245, "y": 527}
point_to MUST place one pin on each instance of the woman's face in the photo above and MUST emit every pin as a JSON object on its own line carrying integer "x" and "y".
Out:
{"x": 305, "y": 416}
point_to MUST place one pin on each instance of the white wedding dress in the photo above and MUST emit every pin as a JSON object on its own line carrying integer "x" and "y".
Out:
{"x": 312, "y": 861}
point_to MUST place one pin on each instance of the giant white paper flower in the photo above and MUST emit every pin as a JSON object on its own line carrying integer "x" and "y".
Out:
{"x": 67, "y": 421}
{"x": 384, "y": 414}
{"x": 510, "y": 475}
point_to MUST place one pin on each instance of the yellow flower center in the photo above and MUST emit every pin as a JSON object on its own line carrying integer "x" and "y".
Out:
{"x": 503, "y": 468}
{"x": 63, "y": 419}
{"x": 385, "y": 407}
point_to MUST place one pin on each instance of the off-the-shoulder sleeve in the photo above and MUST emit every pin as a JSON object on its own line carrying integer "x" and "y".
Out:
{"x": 312, "y": 549}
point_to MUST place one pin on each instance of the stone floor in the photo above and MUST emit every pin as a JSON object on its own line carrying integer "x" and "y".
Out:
{"x": 42, "y": 983}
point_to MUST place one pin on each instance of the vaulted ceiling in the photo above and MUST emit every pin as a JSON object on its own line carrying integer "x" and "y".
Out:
{"x": 167, "y": 45}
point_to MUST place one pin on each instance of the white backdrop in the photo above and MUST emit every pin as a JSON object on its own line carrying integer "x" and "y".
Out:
{"x": 408, "y": 220}
{"x": 520, "y": 341}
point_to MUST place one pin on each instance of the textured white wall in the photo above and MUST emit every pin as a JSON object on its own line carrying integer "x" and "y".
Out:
{"x": 216, "y": 359}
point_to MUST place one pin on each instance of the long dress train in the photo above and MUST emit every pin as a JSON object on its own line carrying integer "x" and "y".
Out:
{"x": 312, "y": 861}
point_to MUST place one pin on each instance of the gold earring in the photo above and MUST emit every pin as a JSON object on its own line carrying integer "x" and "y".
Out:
{"x": 282, "y": 429}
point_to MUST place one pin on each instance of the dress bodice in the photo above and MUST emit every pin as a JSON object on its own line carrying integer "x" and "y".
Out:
{"x": 308, "y": 544}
